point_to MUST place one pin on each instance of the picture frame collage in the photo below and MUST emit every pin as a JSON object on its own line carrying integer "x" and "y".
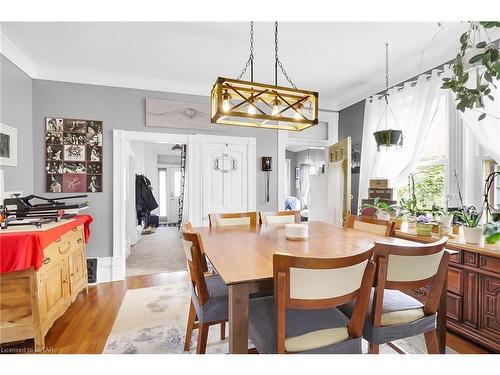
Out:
{"x": 73, "y": 155}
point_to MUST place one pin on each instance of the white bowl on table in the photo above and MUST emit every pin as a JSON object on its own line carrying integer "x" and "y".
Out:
{"x": 296, "y": 232}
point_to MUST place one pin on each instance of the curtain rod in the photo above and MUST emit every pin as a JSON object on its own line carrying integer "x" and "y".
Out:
{"x": 413, "y": 80}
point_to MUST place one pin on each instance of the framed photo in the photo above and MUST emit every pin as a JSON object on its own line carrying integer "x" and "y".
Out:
{"x": 73, "y": 155}
{"x": 8, "y": 146}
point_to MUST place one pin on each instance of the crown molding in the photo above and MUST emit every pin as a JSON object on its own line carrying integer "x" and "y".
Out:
{"x": 375, "y": 85}
{"x": 16, "y": 56}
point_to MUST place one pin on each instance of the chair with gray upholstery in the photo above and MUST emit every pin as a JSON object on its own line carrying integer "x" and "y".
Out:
{"x": 394, "y": 315}
{"x": 302, "y": 316}
{"x": 279, "y": 217}
{"x": 209, "y": 294}
{"x": 233, "y": 219}
{"x": 370, "y": 225}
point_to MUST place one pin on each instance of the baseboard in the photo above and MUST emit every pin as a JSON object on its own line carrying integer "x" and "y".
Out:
{"x": 110, "y": 269}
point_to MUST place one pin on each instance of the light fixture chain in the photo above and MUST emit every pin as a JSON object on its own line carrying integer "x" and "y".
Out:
{"x": 277, "y": 58}
{"x": 386, "y": 68}
{"x": 250, "y": 58}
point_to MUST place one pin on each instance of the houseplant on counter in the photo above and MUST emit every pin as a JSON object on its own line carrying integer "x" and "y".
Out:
{"x": 382, "y": 209}
{"x": 492, "y": 232}
{"x": 470, "y": 219}
{"x": 424, "y": 225}
{"x": 409, "y": 210}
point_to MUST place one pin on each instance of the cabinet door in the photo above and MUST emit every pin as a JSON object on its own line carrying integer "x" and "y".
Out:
{"x": 471, "y": 299}
{"x": 490, "y": 306}
{"x": 77, "y": 272}
{"x": 53, "y": 293}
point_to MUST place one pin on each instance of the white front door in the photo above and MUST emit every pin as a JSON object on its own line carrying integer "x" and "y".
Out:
{"x": 225, "y": 179}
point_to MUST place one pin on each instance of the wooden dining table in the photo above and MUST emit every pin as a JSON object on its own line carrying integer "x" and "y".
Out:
{"x": 243, "y": 257}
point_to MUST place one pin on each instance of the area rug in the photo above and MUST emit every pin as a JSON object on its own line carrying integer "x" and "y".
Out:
{"x": 153, "y": 321}
{"x": 157, "y": 253}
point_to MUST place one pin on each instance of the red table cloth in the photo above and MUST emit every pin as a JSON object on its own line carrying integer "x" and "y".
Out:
{"x": 23, "y": 250}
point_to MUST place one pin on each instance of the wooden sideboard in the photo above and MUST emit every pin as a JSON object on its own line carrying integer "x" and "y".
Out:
{"x": 473, "y": 289}
{"x": 31, "y": 301}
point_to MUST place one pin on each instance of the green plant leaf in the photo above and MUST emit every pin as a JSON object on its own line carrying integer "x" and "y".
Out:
{"x": 481, "y": 44}
{"x": 481, "y": 116}
{"x": 464, "y": 37}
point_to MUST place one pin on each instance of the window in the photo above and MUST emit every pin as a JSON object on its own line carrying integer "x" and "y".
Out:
{"x": 177, "y": 183}
{"x": 429, "y": 173}
{"x": 494, "y": 193}
{"x": 162, "y": 182}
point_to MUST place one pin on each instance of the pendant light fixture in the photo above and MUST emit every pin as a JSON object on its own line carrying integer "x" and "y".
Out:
{"x": 248, "y": 103}
{"x": 387, "y": 137}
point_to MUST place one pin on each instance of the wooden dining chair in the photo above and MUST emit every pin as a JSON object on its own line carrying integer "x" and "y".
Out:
{"x": 229, "y": 219}
{"x": 394, "y": 315}
{"x": 371, "y": 225}
{"x": 302, "y": 316}
{"x": 209, "y": 294}
{"x": 279, "y": 217}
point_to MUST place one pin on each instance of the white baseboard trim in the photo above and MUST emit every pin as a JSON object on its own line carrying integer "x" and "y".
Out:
{"x": 110, "y": 269}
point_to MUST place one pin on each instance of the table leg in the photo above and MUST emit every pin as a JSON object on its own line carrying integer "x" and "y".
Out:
{"x": 441, "y": 318}
{"x": 238, "y": 318}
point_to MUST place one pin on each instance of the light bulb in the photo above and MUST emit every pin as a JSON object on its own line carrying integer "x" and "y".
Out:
{"x": 276, "y": 107}
{"x": 226, "y": 105}
{"x": 298, "y": 111}
{"x": 251, "y": 108}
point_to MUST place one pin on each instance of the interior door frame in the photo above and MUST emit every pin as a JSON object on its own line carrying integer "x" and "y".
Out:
{"x": 284, "y": 140}
{"x": 193, "y": 183}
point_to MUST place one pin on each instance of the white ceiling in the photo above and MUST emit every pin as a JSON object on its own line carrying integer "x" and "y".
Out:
{"x": 344, "y": 62}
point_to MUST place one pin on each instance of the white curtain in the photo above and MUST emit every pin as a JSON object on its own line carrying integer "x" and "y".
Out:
{"x": 414, "y": 107}
{"x": 335, "y": 201}
{"x": 304, "y": 175}
{"x": 487, "y": 131}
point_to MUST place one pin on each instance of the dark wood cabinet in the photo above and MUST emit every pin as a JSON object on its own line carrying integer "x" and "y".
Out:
{"x": 473, "y": 298}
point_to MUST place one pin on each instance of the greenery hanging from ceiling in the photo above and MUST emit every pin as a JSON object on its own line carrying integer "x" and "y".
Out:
{"x": 478, "y": 55}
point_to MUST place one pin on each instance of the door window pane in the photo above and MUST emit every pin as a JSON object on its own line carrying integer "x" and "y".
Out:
{"x": 177, "y": 183}
{"x": 162, "y": 180}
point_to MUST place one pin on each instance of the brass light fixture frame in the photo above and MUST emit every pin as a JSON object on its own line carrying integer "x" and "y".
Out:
{"x": 298, "y": 109}
{"x": 292, "y": 116}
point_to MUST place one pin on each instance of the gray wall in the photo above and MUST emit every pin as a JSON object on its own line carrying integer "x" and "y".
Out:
{"x": 121, "y": 108}
{"x": 351, "y": 125}
{"x": 16, "y": 111}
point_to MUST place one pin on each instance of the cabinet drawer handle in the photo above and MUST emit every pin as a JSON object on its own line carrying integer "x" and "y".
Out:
{"x": 75, "y": 229}
{"x": 64, "y": 251}
{"x": 79, "y": 240}
{"x": 419, "y": 292}
{"x": 58, "y": 240}
{"x": 46, "y": 260}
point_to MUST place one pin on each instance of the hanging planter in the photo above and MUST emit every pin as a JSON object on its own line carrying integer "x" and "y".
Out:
{"x": 389, "y": 137}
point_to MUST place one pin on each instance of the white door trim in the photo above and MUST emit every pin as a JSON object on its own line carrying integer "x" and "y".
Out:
{"x": 193, "y": 209}
{"x": 284, "y": 140}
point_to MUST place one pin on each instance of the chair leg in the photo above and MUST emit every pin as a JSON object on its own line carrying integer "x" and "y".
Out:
{"x": 190, "y": 326}
{"x": 431, "y": 342}
{"x": 223, "y": 331}
{"x": 202, "y": 338}
{"x": 373, "y": 348}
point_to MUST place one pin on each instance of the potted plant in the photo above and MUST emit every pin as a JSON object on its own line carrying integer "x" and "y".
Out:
{"x": 492, "y": 232}
{"x": 397, "y": 215}
{"x": 470, "y": 219}
{"x": 424, "y": 225}
{"x": 478, "y": 55}
{"x": 381, "y": 209}
{"x": 443, "y": 216}
{"x": 409, "y": 210}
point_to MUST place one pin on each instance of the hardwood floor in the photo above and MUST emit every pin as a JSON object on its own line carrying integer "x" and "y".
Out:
{"x": 85, "y": 326}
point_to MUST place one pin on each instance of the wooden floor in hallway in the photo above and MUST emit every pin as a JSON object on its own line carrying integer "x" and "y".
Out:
{"x": 86, "y": 325}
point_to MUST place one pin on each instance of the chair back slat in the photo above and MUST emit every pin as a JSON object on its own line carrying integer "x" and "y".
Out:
{"x": 315, "y": 284}
{"x": 279, "y": 217}
{"x": 197, "y": 266}
{"x": 230, "y": 219}
{"x": 406, "y": 268}
{"x": 370, "y": 225}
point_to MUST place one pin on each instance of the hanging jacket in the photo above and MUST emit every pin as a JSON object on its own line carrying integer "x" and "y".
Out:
{"x": 144, "y": 198}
